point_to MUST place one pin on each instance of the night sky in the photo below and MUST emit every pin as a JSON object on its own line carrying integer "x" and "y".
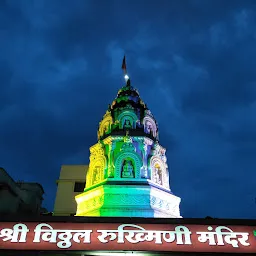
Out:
{"x": 193, "y": 62}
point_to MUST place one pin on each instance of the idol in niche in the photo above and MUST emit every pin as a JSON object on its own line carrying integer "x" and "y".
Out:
{"x": 128, "y": 169}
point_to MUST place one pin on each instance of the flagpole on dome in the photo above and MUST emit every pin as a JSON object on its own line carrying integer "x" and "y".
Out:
{"x": 126, "y": 77}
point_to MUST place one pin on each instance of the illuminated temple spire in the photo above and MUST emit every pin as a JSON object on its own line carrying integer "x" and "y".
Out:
{"x": 128, "y": 173}
{"x": 124, "y": 68}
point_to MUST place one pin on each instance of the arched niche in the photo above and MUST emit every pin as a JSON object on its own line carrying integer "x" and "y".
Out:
{"x": 105, "y": 125}
{"x": 159, "y": 172}
{"x": 96, "y": 171}
{"x": 127, "y": 119}
{"x": 121, "y": 163}
{"x": 150, "y": 126}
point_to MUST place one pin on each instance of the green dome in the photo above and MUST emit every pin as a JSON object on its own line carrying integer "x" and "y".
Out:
{"x": 128, "y": 112}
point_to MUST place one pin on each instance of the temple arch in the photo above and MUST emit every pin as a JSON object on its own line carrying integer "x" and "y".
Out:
{"x": 159, "y": 171}
{"x": 150, "y": 126}
{"x": 125, "y": 157}
{"x": 96, "y": 171}
{"x": 128, "y": 118}
{"x": 105, "y": 125}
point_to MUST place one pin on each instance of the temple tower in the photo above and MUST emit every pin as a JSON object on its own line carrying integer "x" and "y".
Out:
{"x": 128, "y": 173}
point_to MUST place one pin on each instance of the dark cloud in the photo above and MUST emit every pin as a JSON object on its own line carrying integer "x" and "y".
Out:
{"x": 192, "y": 61}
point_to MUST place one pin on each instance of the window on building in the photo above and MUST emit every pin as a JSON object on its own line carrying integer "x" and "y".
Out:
{"x": 79, "y": 187}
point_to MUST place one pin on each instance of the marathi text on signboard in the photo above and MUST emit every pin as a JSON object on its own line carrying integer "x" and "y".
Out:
{"x": 139, "y": 237}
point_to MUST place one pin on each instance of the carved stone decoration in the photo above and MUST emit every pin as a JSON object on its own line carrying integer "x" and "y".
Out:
{"x": 128, "y": 156}
{"x": 127, "y": 119}
{"x": 127, "y": 138}
{"x": 127, "y": 145}
{"x": 145, "y": 144}
{"x": 158, "y": 150}
{"x": 148, "y": 112}
{"x": 150, "y": 126}
{"x": 159, "y": 172}
{"x": 127, "y": 169}
{"x": 90, "y": 205}
{"x": 127, "y": 199}
{"x": 105, "y": 124}
{"x": 97, "y": 150}
{"x": 110, "y": 142}
{"x": 96, "y": 171}
{"x": 127, "y": 124}
{"x": 96, "y": 175}
{"x": 98, "y": 163}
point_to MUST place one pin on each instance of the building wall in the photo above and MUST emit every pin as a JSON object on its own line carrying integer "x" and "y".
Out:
{"x": 34, "y": 196}
{"x": 19, "y": 197}
{"x": 9, "y": 201}
{"x": 70, "y": 183}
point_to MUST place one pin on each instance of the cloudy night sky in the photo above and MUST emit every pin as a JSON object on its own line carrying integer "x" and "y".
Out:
{"x": 192, "y": 61}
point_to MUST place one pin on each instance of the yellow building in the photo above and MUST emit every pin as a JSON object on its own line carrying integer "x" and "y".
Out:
{"x": 70, "y": 183}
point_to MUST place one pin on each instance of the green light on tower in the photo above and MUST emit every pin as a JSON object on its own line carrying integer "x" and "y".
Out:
{"x": 128, "y": 173}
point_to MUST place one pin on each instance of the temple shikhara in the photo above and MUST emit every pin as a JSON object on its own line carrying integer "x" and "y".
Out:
{"x": 119, "y": 204}
{"x": 128, "y": 175}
